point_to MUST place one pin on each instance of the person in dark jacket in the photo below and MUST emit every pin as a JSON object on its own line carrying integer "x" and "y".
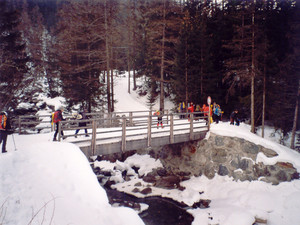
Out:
{"x": 5, "y": 129}
{"x": 159, "y": 114}
{"x": 56, "y": 118}
{"x": 82, "y": 116}
{"x": 234, "y": 118}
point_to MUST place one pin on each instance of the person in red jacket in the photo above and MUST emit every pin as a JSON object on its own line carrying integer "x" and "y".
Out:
{"x": 56, "y": 118}
{"x": 206, "y": 110}
{"x": 191, "y": 109}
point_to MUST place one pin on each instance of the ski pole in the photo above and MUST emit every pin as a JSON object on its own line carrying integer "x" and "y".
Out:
{"x": 14, "y": 142}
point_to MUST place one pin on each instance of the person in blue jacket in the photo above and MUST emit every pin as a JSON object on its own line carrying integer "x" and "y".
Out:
{"x": 217, "y": 113}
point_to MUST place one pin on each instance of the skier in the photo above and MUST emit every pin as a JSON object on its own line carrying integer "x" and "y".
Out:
{"x": 82, "y": 116}
{"x": 234, "y": 118}
{"x": 56, "y": 117}
{"x": 5, "y": 129}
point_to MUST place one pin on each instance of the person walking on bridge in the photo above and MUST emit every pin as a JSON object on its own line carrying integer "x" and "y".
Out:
{"x": 159, "y": 114}
{"x": 56, "y": 118}
{"x": 82, "y": 116}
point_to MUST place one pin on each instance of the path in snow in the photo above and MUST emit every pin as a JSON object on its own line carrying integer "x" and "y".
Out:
{"x": 132, "y": 102}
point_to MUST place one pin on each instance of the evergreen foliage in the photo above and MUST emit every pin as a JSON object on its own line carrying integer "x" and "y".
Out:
{"x": 13, "y": 58}
{"x": 193, "y": 50}
{"x": 81, "y": 43}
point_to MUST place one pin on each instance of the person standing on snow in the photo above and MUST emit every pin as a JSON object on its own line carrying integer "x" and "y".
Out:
{"x": 5, "y": 129}
{"x": 234, "y": 118}
{"x": 56, "y": 118}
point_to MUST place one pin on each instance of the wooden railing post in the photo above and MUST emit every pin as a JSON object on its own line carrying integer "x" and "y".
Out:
{"x": 149, "y": 129}
{"x": 124, "y": 134}
{"x": 191, "y": 126}
{"x": 130, "y": 119}
{"x": 20, "y": 124}
{"x": 171, "y": 129}
{"x": 167, "y": 116}
{"x": 59, "y": 131}
{"x": 208, "y": 119}
{"x": 94, "y": 132}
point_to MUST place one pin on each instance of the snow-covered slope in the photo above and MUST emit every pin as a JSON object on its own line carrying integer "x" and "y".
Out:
{"x": 52, "y": 183}
{"x": 133, "y": 102}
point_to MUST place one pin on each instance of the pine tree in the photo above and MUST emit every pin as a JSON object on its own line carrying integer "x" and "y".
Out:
{"x": 198, "y": 62}
{"x": 81, "y": 43}
{"x": 162, "y": 33}
{"x": 12, "y": 55}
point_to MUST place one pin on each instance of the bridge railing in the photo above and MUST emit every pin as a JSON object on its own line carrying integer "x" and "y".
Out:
{"x": 37, "y": 123}
{"x": 124, "y": 128}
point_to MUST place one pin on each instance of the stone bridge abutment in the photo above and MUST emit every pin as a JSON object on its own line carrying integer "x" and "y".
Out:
{"x": 223, "y": 155}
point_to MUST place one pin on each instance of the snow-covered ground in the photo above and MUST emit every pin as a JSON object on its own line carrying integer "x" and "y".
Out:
{"x": 45, "y": 182}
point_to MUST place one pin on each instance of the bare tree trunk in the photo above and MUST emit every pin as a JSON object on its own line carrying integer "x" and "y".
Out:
{"x": 253, "y": 73}
{"x": 201, "y": 70}
{"x": 107, "y": 60}
{"x": 128, "y": 68}
{"x": 112, "y": 90}
{"x": 134, "y": 47}
{"x": 186, "y": 75}
{"x": 134, "y": 76}
{"x": 162, "y": 93}
{"x": 264, "y": 105}
{"x": 264, "y": 95}
{"x": 295, "y": 119}
{"x": 128, "y": 46}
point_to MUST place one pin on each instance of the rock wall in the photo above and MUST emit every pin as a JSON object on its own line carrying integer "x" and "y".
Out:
{"x": 221, "y": 155}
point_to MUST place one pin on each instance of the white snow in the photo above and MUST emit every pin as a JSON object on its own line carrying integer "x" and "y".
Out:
{"x": 45, "y": 182}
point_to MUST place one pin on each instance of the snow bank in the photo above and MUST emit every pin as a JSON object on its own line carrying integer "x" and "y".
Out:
{"x": 53, "y": 183}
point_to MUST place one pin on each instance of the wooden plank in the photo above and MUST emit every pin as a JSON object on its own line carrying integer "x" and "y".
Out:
{"x": 149, "y": 129}
{"x": 94, "y": 136}
{"x": 123, "y": 135}
{"x": 171, "y": 129}
{"x": 191, "y": 126}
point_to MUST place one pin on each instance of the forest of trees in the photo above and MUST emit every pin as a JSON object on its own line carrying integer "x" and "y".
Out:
{"x": 244, "y": 54}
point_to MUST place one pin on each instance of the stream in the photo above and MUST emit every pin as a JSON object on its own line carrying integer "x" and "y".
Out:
{"x": 161, "y": 211}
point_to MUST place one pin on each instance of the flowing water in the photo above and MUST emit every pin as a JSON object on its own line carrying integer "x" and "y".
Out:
{"x": 161, "y": 211}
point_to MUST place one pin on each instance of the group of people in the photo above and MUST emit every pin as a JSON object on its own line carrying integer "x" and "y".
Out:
{"x": 215, "y": 112}
{"x": 191, "y": 108}
{"x": 57, "y": 116}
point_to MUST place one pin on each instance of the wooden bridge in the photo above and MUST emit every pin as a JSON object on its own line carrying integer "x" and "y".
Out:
{"x": 124, "y": 131}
